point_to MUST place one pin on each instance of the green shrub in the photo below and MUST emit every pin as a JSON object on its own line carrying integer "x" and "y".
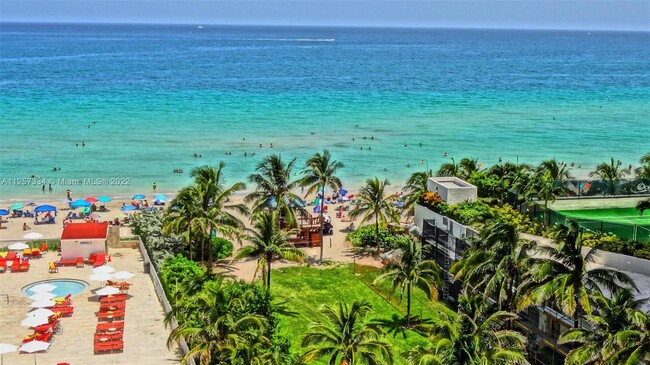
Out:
{"x": 611, "y": 243}
{"x": 365, "y": 236}
{"x": 221, "y": 248}
{"x": 175, "y": 268}
{"x": 148, "y": 225}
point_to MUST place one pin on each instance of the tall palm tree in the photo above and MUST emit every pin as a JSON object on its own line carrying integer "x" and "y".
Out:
{"x": 561, "y": 273}
{"x": 630, "y": 346}
{"x": 320, "y": 173}
{"x": 612, "y": 172}
{"x": 496, "y": 263}
{"x": 213, "y": 214}
{"x": 179, "y": 217}
{"x": 642, "y": 206}
{"x": 557, "y": 171}
{"x": 542, "y": 187}
{"x": 212, "y": 328}
{"x": 274, "y": 187}
{"x": 268, "y": 243}
{"x": 610, "y": 316}
{"x": 412, "y": 270}
{"x": 464, "y": 169}
{"x": 474, "y": 335}
{"x": 346, "y": 339}
{"x": 372, "y": 202}
{"x": 643, "y": 171}
{"x": 449, "y": 169}
{"x": 416, "y": 186}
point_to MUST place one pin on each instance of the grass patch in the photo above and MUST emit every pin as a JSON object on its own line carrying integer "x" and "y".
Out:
{"x": 304, "y": 289}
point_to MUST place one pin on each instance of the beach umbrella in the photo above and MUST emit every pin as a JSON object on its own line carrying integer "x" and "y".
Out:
{"x": 160, "y": 197}
{"x": 91, "y": 199}
{"x": 30, "y": 204}
{"x": 85, "y": 210}
{"x": 343, "y": 191}
{"x": 66, "y": 201}
{"x": 34, "y": 321}
{"x": 107, "y": 290}
{"x": 18, "y": 246}
{"x": 105, "y": 269}
{"x": 16, "y": 206}
{"x": 79, "y": 203}
{"x": 100, "y": 277}
{"x": 121, "y": 275}
{"x": 138, "y": 197}
{"x": 34, "y": 347}
{"x": 104, "y": 199}
{"x": 4, "y": 212}
{"x": 95, "y": 216}
{"x": 42, "y": 288}
{"x": 399, "y": 204}
{"x": 42, "y": 304}
{"x": 6, "y": 348}
{"x": 128, "y": 208}
{"x": 42, "y": 295}
{"x": 33, "y": 236}
{"x": 40, "y": 312}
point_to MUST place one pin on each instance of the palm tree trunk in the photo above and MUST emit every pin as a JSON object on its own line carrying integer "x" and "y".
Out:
{"x": 210, "y": 258}
{"x": 322, "y": 203}
{"x": 377, "y": 234}
{"x": 203, "y": 249}
{"x": 408, "y": 305}
{"x": 189, "y": 238}
{"x": 268, "y": 272}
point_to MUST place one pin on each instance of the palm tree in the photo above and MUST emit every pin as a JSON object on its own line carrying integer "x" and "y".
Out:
{"x": 320, "y": 173}
{"x": 372, "y": 202}
{"x": 630, "y": 346}
{"x": 496, "y": 263}
{"x": 179, "y": 218}
{"x": 542, "y": 187}
{"x": 346, "y": 340}
{"x": 643, "y": 171}
{"x": 557, "y": 171}
{"x": 416, "y": 186}
{"x": 561, "y": 274}
{"x": 449, "y": 169}
{"x": 412, "y": 270}
{"x": 274, "y": 189}
{"x": 212, "y": 328}
{"x": 268, "y": 243}
{"x": 472, "y": 336}
{"x": 612, "y": 172}
{"x": 610, "y": 316}
{"x": 213, "y": 213}
{"x": 642, "y": 206}
{"x": 464, "y": 169}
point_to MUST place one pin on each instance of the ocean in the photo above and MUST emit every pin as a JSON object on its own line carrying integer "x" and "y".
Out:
{"x": 143, "y": 99}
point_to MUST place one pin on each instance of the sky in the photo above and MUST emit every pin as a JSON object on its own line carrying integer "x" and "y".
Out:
{"x": 522, "y": 14}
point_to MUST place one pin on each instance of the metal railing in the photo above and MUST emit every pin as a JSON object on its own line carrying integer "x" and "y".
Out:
{"x": 160, "y": 292}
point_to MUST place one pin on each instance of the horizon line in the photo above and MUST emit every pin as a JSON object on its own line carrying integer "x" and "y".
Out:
{"x": 321, "y": 26}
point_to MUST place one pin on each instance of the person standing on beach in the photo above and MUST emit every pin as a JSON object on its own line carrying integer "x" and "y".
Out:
{"x": 154, "y": 186}
{"x": 68, "y": 194}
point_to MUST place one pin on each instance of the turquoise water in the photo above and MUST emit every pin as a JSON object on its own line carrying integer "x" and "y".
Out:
{"x": 63, "y": 287}
{"x": 144, "y": 99}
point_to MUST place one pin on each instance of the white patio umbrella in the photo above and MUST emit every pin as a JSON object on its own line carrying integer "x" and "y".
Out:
{"x": 42, "y": 288}
{"x": 42, "y": 295}
{"x": 121, "y": 275}
{"x": 32, "y": 236}
{"x": 18, "y": 246}
{"x": 42, "y": 304}
{"x": 100, "y": 277}
{"x": 34, "y": 321}
{"x": 108, "y": 290}
{"x": 103, "y": 270}
{"x": 40, "y": 312}
{"x": 6, "y": 348}
{"x": 34, "y": 346}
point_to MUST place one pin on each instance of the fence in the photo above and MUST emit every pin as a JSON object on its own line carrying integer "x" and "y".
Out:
{"x": 150, "y": 268}
{"x": 595, "y": 188}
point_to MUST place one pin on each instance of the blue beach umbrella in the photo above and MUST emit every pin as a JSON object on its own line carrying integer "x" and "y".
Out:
{"x": 138, "y": 197}
{"x": 103, "y": 199}
{"x": 127, "y": 208}
{"x": 399, "y": 204}
{"x": 79, "y": 203}
{"x": 4, "y": 212}
{"x": 16, "y": 206}
{"x": 160, "y": 197}
{"x": 343, "y": 191}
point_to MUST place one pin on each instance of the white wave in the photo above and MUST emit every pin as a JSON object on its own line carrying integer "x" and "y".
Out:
{"x": 290, "y": 39}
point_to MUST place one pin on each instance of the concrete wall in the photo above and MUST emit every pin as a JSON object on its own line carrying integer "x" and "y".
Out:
{"x": 71, "y": 249}
{"x": 460, "y": 191}
{"x": 454, "y": 228}
{"x": 113, "y": 236}
{"x": 595, "y": 203}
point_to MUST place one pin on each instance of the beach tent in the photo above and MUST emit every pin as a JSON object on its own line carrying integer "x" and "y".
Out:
{"x": 4, "y": 212}
{"x": 45, "y": 208}
{"x": 79, "y": 203}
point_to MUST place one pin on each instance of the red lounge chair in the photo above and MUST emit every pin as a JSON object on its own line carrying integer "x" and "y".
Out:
{"x": 24, "y": 267}
{"x": 109, "y": 336}
{"x": 64, "y": 311}
{"x": 15, "y": 265}
{"x": 53, "y": 267}
{"x": 113, "y": 298}
{"x": 80, "y": 261}
{"x": 3, "y": 264}
{"x": 44, "y": 247}
{"x": 36, "y": 252}
{"x": 11, "y": 255}
{"x": 112, "y": 306}
{"x": 92, "y": 258}
{"x": 109, "y": 346}
{"x": 106, "y": 326}
{"x": 68, "y": 262}
{"x": 101, "y": 260}
{"x": 67, "y": 298}
{"x": 111, "y": 315}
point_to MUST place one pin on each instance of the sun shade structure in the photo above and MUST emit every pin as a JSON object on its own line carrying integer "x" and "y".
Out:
{"x": 18, "y": 246}
{"x": 43, "y": 304}
{"x": 33, "y": 236}
{"x": 40, "y": 312}
{"x": 138, "y": 197}
{"x": 104, "y": 199}
{"x": 42, "y": 288}
{"x": 45, "y": 208}
{"x": 79, "y": 203}
{"x": 43, "y": 295}
{"x": 121, "y": 275}
{"x": 34, "y": 321}
{"x": 108, "y": 290}
{"x": 103, "y": 270}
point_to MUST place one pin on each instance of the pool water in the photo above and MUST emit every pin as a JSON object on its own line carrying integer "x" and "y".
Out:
{"x": 63, "y": 287}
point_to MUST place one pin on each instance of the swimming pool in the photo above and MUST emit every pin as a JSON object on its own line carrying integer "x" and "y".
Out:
{"x": 63, "y": 287}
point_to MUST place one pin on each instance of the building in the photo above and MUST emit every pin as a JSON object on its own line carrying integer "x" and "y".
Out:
{"x": 452, "y": 189}
{"x": 83, "y": 239}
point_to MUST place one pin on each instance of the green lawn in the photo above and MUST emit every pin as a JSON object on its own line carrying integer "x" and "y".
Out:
{"x": 304, "y": 289}
{"x": 614, "y": 215}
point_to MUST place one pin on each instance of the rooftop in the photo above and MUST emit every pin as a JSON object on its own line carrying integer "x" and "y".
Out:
{"x": 76, "y": 231}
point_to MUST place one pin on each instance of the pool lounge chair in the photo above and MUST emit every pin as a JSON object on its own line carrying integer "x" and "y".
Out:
{"x": 64, "y": 311}
{"x": 11, "y": 255}
{"x": 80, "y": 261}
{"x": 67, "y": 298}
{"x": 101, "y": 260}
{"x": 44, "y": 247}
{"x": 36, "y": 252}
{"x": 53, "y": 267}
{"x": 107, "y": 326}
{"x": 111, "y": 346}
{"x": 15, "y": 265}
{"x": 3, "y": 264}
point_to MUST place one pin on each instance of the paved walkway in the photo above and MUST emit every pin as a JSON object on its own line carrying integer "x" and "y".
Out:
{"x": 144, "y": 335}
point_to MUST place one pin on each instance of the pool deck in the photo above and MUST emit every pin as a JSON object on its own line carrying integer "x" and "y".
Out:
{"x": 145, "y": 336}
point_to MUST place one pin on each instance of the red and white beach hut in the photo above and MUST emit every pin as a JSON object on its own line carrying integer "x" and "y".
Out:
{"x": 83, "y": 239}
